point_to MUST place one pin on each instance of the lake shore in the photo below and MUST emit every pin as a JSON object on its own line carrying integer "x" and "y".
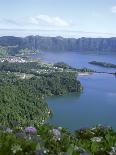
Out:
{"x": 85, "y": 73}
{"x": 90, "y": 73}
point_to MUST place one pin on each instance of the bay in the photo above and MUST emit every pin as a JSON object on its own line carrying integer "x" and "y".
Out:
{"x": 96, "y": 104}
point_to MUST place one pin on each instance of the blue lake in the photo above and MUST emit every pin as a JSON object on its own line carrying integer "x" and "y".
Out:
{"x": 96, "y": 104}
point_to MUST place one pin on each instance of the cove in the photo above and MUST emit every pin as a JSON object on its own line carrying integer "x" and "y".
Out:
{"x": 96, "y": 104}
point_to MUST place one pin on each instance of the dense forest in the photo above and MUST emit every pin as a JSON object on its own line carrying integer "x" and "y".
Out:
{"x": 27, "y": 67}
{"x": 35, "y": 68}
{"x": 24, "y": 113}
{"x": 22, "y": 99}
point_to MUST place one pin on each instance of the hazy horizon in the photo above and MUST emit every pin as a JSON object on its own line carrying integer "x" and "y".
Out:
{"x": 53, "y": 33}
{"x": 75, "y": 18}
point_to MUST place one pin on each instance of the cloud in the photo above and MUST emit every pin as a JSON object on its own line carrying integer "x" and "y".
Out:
{"x": 9, "y": 21}
{"x": 113, "y": 9}
{"x": 37, "y": 25}
{"x": 46, "y": 20}
{"x": 37, "y": 21}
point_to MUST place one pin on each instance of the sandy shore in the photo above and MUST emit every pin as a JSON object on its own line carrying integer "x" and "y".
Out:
{"x": 84, "y": 74}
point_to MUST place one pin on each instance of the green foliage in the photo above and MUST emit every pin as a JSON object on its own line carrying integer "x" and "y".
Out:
{"x": 63, "y": 65}
{"x": 19, "y": 67}
{"x": 3, "y": 51}
{"x": 99, "y": 140}
{"x": 22, "y": 104}
{"x": 22, "y": 100}
{"x": 45, "y": 141}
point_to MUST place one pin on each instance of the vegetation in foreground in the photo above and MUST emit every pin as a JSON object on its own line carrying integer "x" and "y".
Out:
{"x": 50, "y": 140}
{"x": 23, "y": 87}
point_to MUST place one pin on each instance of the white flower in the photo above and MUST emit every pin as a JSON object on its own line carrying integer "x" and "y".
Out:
{"x": 92, "y": 133}
{"x": 58, "y": 139}
{"x": 113, "y": 149}
{"x": 43, "y": 121}
{"x": 48, "y": 112}
{"x": 45, "y": 151}
{"x": 29, "y": 137}
{"x": 110, "y": 153}
{"x": 93, "y": 128}
{"x": 76, "y": 148}
{"x": 60, "y": 128}
{"x": 96, "y": 139}
{"x": 21, "y": 128}
{"x": 15, "y": 148}
{"x": 38, "y": 135}
{"x": 9, "y": 130}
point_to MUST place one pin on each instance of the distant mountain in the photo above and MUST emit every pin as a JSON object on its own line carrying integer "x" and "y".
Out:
{"x": 14, "y": 44}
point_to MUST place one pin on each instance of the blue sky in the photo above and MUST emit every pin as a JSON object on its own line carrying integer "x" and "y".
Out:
{"x": 58, "y": 17}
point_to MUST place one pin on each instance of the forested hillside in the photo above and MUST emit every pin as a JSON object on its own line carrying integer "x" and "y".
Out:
{"x": 22, "y": 94}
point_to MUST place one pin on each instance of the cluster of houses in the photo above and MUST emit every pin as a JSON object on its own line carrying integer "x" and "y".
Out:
{"x": 12, "y": 59}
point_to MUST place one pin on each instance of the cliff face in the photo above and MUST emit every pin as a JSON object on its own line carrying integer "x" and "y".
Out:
{"x": 59, "y": 43}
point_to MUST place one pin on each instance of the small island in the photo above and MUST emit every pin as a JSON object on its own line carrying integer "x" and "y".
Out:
{"x": 103, "y": 64}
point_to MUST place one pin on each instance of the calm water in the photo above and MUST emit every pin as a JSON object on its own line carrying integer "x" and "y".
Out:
{"x": 77, "y": 59}
{"x": 97, "y": 103}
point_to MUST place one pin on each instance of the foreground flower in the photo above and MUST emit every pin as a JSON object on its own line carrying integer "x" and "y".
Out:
{"x": 41, "y": 151}
{"x": 79, "y": 149}
{"x": 113, "y": 151}
{"x": 15, "y": 148}
{"x": 57, "y": 134}
{"x": 30, "y": 130}
{"x": 49, "y": 112}
{"x": 96, "y": 139}
{"x": 8, "y": 130}
{"x": 60, "y": 128}
{"x": 93, "y": 128}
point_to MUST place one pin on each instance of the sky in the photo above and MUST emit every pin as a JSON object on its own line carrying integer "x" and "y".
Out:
{"x": 68, "y": 18}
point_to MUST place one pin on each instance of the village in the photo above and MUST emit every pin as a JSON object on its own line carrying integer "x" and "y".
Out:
{"x": 12, "y": 59}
